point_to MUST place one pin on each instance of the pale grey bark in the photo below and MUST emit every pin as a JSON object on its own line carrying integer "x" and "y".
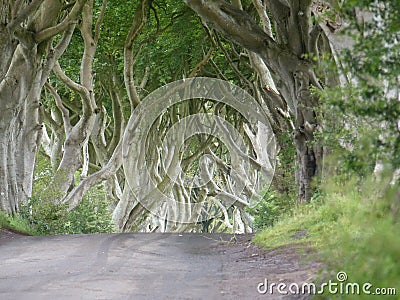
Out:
{"x": 75, "y": 151}
{"x": 295, "y": 36}
{"x": 176, "y": 201}
{"x": 111, "y": 163}
{"x": 27, "y": 30}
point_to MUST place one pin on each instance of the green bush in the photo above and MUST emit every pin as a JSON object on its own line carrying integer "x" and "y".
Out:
{"x": 46, "y": 215}
{"x": 4, "y": 222}
{"x": 267, "y": 211}
{"x": 92, "y": 215}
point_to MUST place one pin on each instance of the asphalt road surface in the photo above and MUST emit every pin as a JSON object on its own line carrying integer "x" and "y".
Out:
{"x": 143, "y": 266}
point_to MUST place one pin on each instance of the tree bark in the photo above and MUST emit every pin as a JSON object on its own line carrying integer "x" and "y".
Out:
{"x": 26, "y": 60}
{"x": 285, "y": 56}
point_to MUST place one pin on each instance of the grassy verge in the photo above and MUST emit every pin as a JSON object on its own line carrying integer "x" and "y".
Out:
{"x": 16, "y": 224}
{"x": 355, "y": 230}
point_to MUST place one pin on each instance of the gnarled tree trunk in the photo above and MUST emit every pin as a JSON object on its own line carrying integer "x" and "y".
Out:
{"x": 286, "y": 55}
{"x": 27, "y": 29}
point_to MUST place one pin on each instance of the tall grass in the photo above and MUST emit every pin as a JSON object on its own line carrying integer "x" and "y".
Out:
{"x": 16, "y": 224}
{"x": 355, "y": 228}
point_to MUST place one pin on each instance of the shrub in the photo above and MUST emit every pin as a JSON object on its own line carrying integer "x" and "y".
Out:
{"x": 92, "y": 215}
{"x": 267, "y": 211}
{"x": 47, "y": 215}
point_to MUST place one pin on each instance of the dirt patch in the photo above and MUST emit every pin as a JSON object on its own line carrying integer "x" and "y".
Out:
{"x": 9, "y": 233}
{"x": 251, "y": 264}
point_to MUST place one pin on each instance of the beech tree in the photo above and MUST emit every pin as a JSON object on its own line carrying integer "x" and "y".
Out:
{"x": 76, "y": 86}
{"x": 79, "y": 139}
{"x": 147, "y": 210}
{"x": 286, "y": 49}
{"x": 29, "y": 51}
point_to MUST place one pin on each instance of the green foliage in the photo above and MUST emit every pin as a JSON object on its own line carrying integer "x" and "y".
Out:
{"x": 284, "y": 181}
{"x": 4, "y": 221}
{"x": 356, "y": 230}
{"x": 44, "y": 217}
{"x": 91, "y": 216}
{"x": 354, "y": 223}
{"x": 369, "y": 103}
{"x": 353, "y": 126}
{"x": 377, "y": 49}
{"x": 16, "y": 224}
{"x": 45, "y": 214}
{"x": 170, "y": 44}
{"x": 269, "y": 210}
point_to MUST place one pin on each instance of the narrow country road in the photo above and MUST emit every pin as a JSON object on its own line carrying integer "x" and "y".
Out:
{"x": 143, "y": 266}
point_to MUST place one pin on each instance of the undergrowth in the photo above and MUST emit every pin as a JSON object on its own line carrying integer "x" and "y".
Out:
{"x": 354, "y": 227}
{"x": 45, "y": 214}
{"x": 15, "y": 224}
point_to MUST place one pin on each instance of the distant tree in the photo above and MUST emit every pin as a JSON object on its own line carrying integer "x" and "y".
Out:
{"x": 362, "y": 119}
